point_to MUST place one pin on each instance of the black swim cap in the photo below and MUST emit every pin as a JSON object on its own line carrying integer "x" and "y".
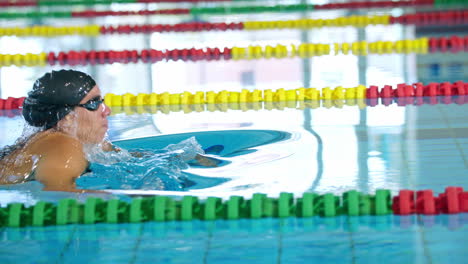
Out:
{"x": 55, "y": 95}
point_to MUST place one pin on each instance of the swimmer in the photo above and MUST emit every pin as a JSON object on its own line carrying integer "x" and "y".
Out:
{"x": 69, "y": 112}
{"x": 68, "y": 109}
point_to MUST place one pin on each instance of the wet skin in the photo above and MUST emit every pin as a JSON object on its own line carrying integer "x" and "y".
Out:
{"x": 56, "y": 155}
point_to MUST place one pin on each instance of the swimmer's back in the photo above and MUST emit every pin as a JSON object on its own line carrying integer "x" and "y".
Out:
{"x": 56, "y": 159}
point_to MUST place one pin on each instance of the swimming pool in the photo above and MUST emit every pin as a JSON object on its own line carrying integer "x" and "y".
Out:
{"x": 297, "y": 147}
{"x": 289, "y": 155}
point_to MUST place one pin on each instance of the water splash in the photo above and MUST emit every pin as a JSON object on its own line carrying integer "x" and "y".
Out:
{"x": 28, "y": 132}
{"x": 140, "y": 168}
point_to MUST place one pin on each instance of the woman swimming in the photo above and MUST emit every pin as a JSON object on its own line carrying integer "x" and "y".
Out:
{"x": 68, "y": 111}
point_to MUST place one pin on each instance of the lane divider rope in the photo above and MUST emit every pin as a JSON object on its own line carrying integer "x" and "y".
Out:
{"x": 424, "y": 18}
{"x": 164, "y": 208}
{"x": 453, "y": 44}
{"x": 226, "y": 9}
{"x": 39, "y": 3}
{"x": 409, "y": 93}
{"x": 280, "y": 105}
{"x": 300, "y": 94}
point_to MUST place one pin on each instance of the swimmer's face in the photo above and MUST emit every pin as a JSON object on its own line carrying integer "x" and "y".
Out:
{"x": 91, "y": 125}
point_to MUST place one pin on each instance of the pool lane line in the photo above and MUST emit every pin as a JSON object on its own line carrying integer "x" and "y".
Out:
{"x": 50, "y": 3}
{"x": 439, "y": 18}
{"x": 281, "y": 105}
{"x": 228, "y": 9}
{"x": 416, "y": 93}
{"x": 68, "y": 3}
{"x": 188, "y": 208}
{"x": 301, "y": 98}
{"x": 453, "y": 44}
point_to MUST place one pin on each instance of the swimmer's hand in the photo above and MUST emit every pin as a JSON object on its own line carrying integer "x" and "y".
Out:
{"x": 137, "y": 154}
{"x": 206, "y": 161}
{"x": 107, "y": 147}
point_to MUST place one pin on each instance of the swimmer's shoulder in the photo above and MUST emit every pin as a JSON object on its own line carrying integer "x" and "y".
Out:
{"x": 54, "y": 142}
{"x": 61, "y": 160}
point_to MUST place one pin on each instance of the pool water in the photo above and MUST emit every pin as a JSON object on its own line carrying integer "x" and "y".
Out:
{"x": 298, "y": 151}
{"x": 321, "y": 147}
{"x": 293, "y": 151}
{"x": 389, "y": 239}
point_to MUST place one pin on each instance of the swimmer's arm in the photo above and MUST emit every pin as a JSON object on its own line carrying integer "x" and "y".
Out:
{"x": 108, "y": 146}
{"x": 202, "y": 160}
{"x": 61, "y": 162}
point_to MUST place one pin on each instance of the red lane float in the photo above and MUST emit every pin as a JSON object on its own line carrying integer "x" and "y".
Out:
{"x": 453, "y": 201}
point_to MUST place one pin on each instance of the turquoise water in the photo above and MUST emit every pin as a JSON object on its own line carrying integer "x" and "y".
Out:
{"x": 425, "y": 149}
{"x": 389, "y": 239}
{"x": 285, "y": 149}
{"x": 291, "y": 150}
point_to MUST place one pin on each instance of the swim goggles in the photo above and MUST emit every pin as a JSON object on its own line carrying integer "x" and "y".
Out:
{"x": 93, "y": 104}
